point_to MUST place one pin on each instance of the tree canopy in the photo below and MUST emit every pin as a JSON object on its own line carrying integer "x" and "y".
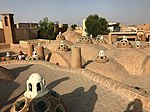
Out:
{"x": 47, "y": 29}
{"x": 96, "y": 25}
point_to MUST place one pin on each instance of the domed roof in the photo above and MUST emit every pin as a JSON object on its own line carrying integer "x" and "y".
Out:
{"x": 60, "y": 36}
{"x": 85, "y": 40}
{"x": 86, "y": 50}
{"x": 100, "y": 39}
{"x": 34, "y": 57}
{"x": 35, "y": 77}
{"x": 62, "y": 46}
{"x": 124, "y": 43}
{"x": 49, "y": 102}
{"x": 131, "y": 59}
{"x": 53, "y": 46}
{"x": 61, "y": 58}
{"x": 72, "y": 36}
{"x": 101, "y": 58}
{"x": 110, "y": 69}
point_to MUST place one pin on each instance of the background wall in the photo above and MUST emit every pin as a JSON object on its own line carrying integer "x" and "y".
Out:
{"x": 26, "y": 33}
{"x": 2, "y": 37}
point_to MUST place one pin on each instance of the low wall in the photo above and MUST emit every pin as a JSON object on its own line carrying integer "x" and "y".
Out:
{"x": 120, "y": 88}
{"x": 23, "y": 44}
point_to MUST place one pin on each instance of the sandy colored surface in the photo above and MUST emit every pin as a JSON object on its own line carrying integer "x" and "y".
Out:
{"x": 79, "y": 93}
{"x": 71, "y": 36}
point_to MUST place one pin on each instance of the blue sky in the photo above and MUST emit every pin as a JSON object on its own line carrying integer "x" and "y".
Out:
{"x": 73, "y": 11}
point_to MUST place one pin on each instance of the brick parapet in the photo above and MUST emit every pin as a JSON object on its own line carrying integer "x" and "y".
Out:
{"x": 118, "y": 87}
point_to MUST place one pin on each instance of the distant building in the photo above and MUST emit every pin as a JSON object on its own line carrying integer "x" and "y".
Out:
{"x": 114, "y": 26}
{"x": 131, "y": 29}
{"x": 84, "y": 33}
{"x": 1, "y": 24}
{"x": 9, "y": 34}
{"x": 26, "y": 25}
{"x": 125, "y": 28}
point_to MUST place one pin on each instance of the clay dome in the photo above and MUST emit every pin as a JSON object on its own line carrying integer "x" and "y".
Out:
{"x": 101, "y": 58}
{"x": 53, "y": 45}
{"x": 61, "y": 58}
{"x": 87, "y": 48}
{"x": 71, "y": 36}
{"x": 100, "y": 39}
{"x": 110, "y": 69}
{"x": 62, "y": 47}
{"x": 60, "y": 36}
{"x": 34, "y": 56}
{"x": 38, "y": 98}
{"x": 124, "y": 43}
{"x": 131, "y": 60}
{"x": 84, "y": 40}
{"x": 138, "y": 44}
{"x": 35, "y": 77}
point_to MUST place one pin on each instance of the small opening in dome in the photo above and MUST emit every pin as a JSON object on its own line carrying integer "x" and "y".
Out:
{"x": 19, "y": 105}
{"x": 30, "y": 87}
{"x": 40, "y": 105}
{"x": 137, "y": 88}
{"x": 38, "y": 86}
{"x": 39, "y": 58}
{"x": 55, "y": 94}
{"x": 60, "y": 109}
{"x": 57, "y": 63}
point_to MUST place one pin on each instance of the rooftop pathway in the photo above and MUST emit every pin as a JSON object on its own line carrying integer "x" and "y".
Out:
{"x": 80, "y": 94}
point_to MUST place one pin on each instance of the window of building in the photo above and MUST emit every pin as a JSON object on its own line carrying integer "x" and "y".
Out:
{"x": 38, "y": 85}
{"x": 6, "y": 21}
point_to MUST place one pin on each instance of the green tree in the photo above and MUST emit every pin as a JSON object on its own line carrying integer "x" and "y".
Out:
{"x": 96, "y": 25}
{"x": 73, "y": 26}
{"x": 47, "y": 29}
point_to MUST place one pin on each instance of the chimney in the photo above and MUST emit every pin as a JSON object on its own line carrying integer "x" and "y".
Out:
{"x": 30, "y": 50}
{"x": 76, "y": 61}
